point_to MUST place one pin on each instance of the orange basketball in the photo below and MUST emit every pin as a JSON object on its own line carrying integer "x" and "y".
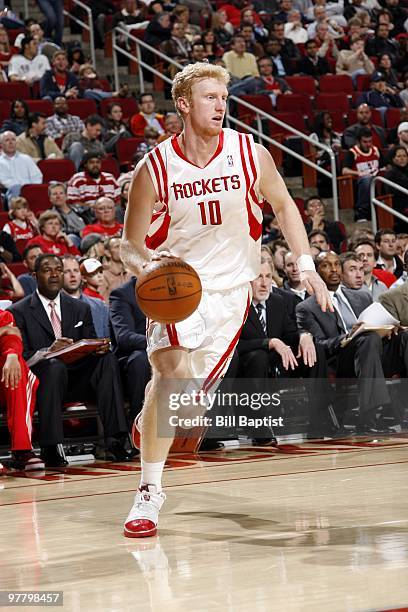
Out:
{"x": 169, "y": 290}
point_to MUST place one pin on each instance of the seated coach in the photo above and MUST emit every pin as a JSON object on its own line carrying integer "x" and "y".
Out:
{"x": 49, "y": 319}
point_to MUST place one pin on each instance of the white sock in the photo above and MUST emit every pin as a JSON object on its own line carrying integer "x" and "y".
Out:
{"x": 152, "y": 474}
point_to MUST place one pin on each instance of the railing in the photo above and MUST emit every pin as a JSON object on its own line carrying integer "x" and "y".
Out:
{"x": 376, "y": 202}
{"x": 87, "y": 26}
{"x": 260, "y": 114}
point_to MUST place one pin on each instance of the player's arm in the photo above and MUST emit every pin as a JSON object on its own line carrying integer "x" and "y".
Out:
{"x": 141, "y": 201}
{"x": 274, "y": 190}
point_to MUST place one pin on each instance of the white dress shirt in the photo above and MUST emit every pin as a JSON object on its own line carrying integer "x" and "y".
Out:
{"x": 45, "y": 302}
{"x": 19, "y": 169}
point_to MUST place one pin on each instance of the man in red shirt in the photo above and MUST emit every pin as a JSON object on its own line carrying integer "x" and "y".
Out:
{"x": 106, "y": 224}
{"x": 18, "y": 388}
{"x": 147, "y": 116}
{"x": 84, "y": 188}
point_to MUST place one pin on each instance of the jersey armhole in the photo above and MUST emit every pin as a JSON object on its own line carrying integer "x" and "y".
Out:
{"x": 158, "y": 174}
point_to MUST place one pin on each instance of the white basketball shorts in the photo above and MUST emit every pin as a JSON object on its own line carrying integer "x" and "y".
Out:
{"x": 210, "y": 334}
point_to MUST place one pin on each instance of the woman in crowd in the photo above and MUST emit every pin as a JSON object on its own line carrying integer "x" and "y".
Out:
{"x": 5, "y": 49}
{"x": 211, "y": 47}
{"x": 116, "y": 128}
{"x": 222, "y": 28}
{"x": 323, "y": 132}
{"x": 18, "y": 120}
{"x": 398, "y": 173}
{"x": 385, "y": 66}
{"x": 52, "y": 239}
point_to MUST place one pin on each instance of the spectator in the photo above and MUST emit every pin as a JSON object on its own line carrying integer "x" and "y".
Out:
{"x": 364, "y": 114}
{"x": 116, "y": 128}
{"x": 54, "y": 19}
{"x": 85, "y": 187}
{"x": 222, "y": 28}
{"x": 278, "y": 249}
{"x": 238, "y": 62}
{"x": 35, "y": 143}
{"x": 381, "y": 42}
{"x": 397, "y": 172}
{"x": 27, "y": 280}
{"x": 52, "y": 239}
{"x": 16, "y": 169}
{"x": 385, "y": 66}
{"x": 363, "y": 161}
{"x": 323, "y": 132}
{"x": 92, "y": 86}
{"x": 379, "y": 96}
{"x": 177, "y": 47}
{"x": 353, "y": 29}
{"x": 146, "y": 116}
{"x": 312, "y": 64}
{"x": 73, "y": 285}
{"x": 58, "y": 80}
{"x": 120, "y": 210}
{"x": 333, "y": 11}
{"x": 293, "y": 282}
{"x": 388, "y": 260}
{"x": 132, "y": 13}
{"x": 266, "y": 83}
{"x": 173, "y": 126}
{"x": 106, "y": 224}
{"x": 285, "y": 7}
{"x": 319, "y": 240}
{"x": 73, "y": 223}
{"x": 352, "y": 271}
{"x": 78, "y": 144}
{"x": 315, "y": 211}
{"x": 212, "y": 49}
{"x": 10, "y": 288}
{"x": 28, "y": 66}
{"x": 151, "y": 137}
{"x": 128, "y": 324}
{"x": 325, "y": 42}
{"x": 404, "y": 92}
{"x": 288, "y": 48}
{"x": 335, "y": 30}
{"x": 402, "y": 243}
{"x": 293, "y": 29}
{"x": 355, "y": 61}
{"x": 92, "y": 247}
{"x": 40, "y": 318}
{"x": 402, "y": 133}
{"x": 365, "y": 250}
{"x": 61, "y": 122}
{"x": 395, "y": 300}
{"x": 93, "y": 280}
{"x": 8, "y": 249}
{"x": 252, "y": 46}
{"x": 18, "y": 121}
{"x": 18, "y": 388}
{"x": 282, "y": 66}
{"x": 114, "y": 271}
{"x": 5, "y": 48}
{"x": 23, "y": 223}
{"x": 158, "y": 30}
{"x": 45, "y": 47}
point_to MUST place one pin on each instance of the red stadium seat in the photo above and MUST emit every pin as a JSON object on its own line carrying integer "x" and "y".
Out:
{"x": 261, "y": 101}
{"x": 126, "y": 149}
{"x": 392, "y": 117}
{"x": 336, "y": 83}
{"x": 128, "y": 105}
{"x": 363, "y": 82}
{"x": 17, "y": 268}
{"x": 56, "y": 169}
{"x": 109, "y": 164}
{"x": 41, "y": 106}
{"x": 4, "y": 110}
{"x": 37, "y": 197}
{"x": 329, "y": 102}
{"x": 13, "y": 90}
{"x": 82, "y": 108}
{"x": 302, "y": 85}
{"x": 293, "y": 119}
{"x": 4, "y": 218}
{"x": 294, "y": 102}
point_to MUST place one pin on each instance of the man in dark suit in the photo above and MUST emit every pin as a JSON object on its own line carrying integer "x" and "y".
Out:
{"x": 128, "y": 325}
{"x": 49, "y": 319}
{"x": 312, "y": 64}
{"x": 367, "y": 357}
{"x": 270, "y": 342}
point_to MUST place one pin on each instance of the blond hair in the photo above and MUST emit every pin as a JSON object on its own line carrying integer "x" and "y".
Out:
{"x": 16, "y": 204}
{"x": 191, "y": 74}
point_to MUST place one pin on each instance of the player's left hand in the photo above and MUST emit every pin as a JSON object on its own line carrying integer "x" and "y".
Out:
{"x": 11, "y": 374}
{"x": 307, "y": 350}
{"x": 314, "y": 284}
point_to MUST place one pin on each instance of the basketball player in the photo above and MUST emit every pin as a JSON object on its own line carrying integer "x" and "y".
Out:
{"x": 199, "y": 197}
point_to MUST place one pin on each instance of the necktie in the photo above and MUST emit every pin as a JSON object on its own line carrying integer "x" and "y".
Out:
{"x": 55, "y": 320}
{"x": 261, "y": 314}
{"x": 348, "y": 316}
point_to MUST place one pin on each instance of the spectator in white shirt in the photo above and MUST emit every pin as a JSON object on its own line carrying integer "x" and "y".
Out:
{"x": 16, "y": 169}
{"x": 28, "y": 66}
{"x": 294, "y": 29}
{"x": 320, "y": 15}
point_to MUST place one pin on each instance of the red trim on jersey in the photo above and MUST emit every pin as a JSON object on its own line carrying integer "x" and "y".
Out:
{"x": 164, "y": 175}
{"x": 172, "y": 334}
{"x": 255, "y": 227}
{"x": 216, "y": 371}
{"x": 155, "y": 240}
{"x": 177, "y": 149}
{"x": 253, "y": 166}
{"x": 157, "y": 175}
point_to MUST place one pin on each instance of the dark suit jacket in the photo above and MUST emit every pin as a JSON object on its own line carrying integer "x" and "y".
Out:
{"x": 306, "y": 66}
{"x": 35, "y": 326}
{"x": 128, "y": 323}
{"x": 279, "y": 325}
{"x": 326, "y": 327}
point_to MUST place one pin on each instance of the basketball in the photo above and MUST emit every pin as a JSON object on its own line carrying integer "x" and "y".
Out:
{"x": 169, "y": 290}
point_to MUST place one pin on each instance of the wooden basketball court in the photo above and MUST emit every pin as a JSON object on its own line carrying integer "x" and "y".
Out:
{"x": 313, "y": 526}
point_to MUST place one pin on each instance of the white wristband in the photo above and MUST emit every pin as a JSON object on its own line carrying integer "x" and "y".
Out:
{"x": 305, "y": 262}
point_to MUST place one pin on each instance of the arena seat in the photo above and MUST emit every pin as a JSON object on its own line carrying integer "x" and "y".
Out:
{"x": 329, "y": 102}
{"x": 295, "y": 120}
{"x": 336, "y": 83}
{"x": 40, "y": 106}
{"x": 392, "y": 117}
{"x": 129, "y": 106}
{"x": 109, "y": 164}
{"x": 302, "y": 85}
{"x": 126, "y": 148}
{"x": 37, "y": 197}
{"x": 82, "y": 108}
{"x": 294, "y": 102}
{"x": 13, "y": 90}
{"x": 56, "y": 169}
{"x": 17, "y": 268}
{"x": 261, "y": 101}
{"x": 363, "y": 82}
{"x": 4, "y": 218}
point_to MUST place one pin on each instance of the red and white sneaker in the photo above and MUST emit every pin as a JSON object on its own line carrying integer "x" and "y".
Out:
{"x": 136, "y": 433}
{"x": 144, "y": 514}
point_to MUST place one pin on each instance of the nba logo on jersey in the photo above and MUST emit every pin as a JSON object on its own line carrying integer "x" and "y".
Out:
{"x": 230, "y": 160}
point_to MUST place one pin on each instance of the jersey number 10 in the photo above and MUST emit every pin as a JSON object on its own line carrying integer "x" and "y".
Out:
{"x": 210, "y": 212}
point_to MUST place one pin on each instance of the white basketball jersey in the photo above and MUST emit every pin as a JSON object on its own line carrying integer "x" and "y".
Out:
{"x": 211, "y": 217}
